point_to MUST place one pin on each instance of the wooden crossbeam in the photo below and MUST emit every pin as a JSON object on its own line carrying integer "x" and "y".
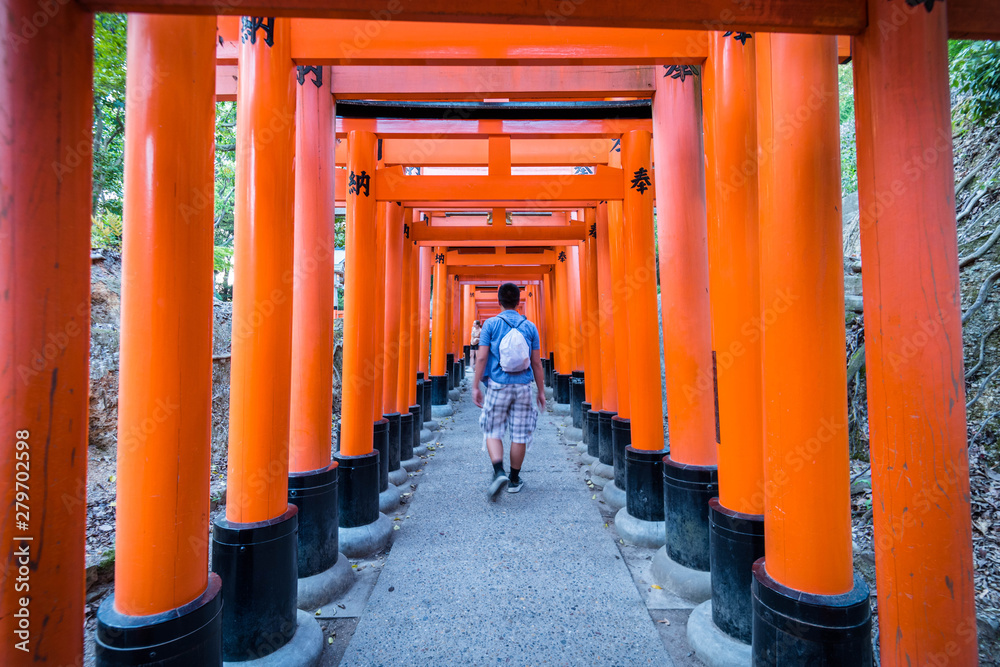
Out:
{"x": 978, "y": 19}
{"x": 392, "y": 185}
{"x": 499, "y": 271}
{"x": 524, "y": 129}
{"x": 447, "y": 152}
{"x": 501, "y": 258}
{"x": 508, "y": 235}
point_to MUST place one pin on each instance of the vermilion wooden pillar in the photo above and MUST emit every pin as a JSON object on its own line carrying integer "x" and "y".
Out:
{"x": 564, "y": 318}
{"x": 575, "y": 301}
{"x": 681, "y": 213}
{"x": 405, "y": 379}
{"x": 392, "y": 307}
{"x": 360, "y": 308}
{"x": 640, "y": 521}
{"x": 736, "y": 517}
{"x": 439, "y": 330}
{"x": 456, "y": 315}
{"x": 362, "y": 527}
{"x": 313, "y": 480}
{"x": 312, "y": 320}
{"x": 645, "y": 394}
{"x": 591, "y": 321}
{"x": 385, "y": 423}
{"x": 618, "y": 287}
{"x": 426, "y": 268}
{"x": 382, "y": 216}
{"x": 916, "y": 392}
{"x": 166, "y": 341}
{"x": 609, "y": 375}
{"x": 690, "y": 475}
{"x": 415, "y": 307}
{"x": 551, "y": 327}
{"x": 403, "y": 376}
{"x": 604, "y": 448}
{"x": 45, "y": 194}
{"x": 807, "y": 513}
{"x": 259, "y": 529}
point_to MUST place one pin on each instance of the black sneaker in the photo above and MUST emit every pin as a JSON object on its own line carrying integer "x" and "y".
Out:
{"x": 515, "y": 487}
{"x": 500, "y": 480}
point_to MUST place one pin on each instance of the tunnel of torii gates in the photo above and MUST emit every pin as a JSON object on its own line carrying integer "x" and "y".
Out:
{"x": 558, "y": 124}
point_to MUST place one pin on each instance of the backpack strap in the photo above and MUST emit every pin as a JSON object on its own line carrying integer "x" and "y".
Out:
{"x": 518, "y": 326}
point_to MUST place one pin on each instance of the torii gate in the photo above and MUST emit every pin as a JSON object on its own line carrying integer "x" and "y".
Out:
{"x": 908, "y": 245}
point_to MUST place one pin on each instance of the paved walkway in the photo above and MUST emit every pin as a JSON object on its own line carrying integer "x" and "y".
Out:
{"x": 531, "y": 580}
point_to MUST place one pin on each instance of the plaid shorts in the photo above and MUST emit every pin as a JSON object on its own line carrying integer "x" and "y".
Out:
{"x": 509, "y": 404}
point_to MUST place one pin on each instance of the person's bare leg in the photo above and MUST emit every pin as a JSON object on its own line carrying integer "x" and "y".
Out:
{"x": 517, "y": 450}
{"x": 495, "y": 447}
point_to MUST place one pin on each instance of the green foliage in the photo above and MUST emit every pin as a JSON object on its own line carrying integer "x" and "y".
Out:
{"x": 975, "y": 78}
{"x": 223, "y": 258}
{"x": 340, "y": 231}
{"x": 109, "y": 112}
{"x": 845, "y": 83}
{"x": 848, "y": 150}
{"x": 106, "y": 231}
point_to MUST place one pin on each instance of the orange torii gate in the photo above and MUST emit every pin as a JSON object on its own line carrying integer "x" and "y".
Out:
{"x": 923, "y": 564}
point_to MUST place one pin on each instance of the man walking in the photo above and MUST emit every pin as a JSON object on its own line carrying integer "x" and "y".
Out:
{"x": 508, "y": 359}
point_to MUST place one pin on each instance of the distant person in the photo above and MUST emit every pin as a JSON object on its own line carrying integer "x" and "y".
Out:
{"x": 474, "y": 342}
{"x": 508, "y": 346}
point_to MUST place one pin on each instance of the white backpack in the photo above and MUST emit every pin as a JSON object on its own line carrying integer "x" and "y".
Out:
{"x": 514, "y": 353}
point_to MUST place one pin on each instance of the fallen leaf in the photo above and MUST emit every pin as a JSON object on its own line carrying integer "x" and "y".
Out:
{"x": 319, "y": 612}
{"x": 342, "y": 606}
{"x": 329, "y": 640}
{"x": 664, "y": 621}
{"x": 395, "y": 527}
{"x": 659, "y": 588}
{"x": 594, "y": 497}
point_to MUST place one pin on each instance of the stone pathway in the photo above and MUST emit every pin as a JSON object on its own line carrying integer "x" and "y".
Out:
{"x": 533, "y": 579}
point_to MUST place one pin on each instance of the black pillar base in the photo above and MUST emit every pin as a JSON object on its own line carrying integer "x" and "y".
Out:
{"x": 604, "y": 452}
{"x": 736, "y": 542}
{"x": 585, "y": 409}
{"x": 458, "y": 373}
{"x": 576, "y": 396}
{"x": 592, "y": 433}
{"x": 420, "y": 375}
{"x": 439, "y": 390}
{"x": 380, "y": 444}
{"x": 644, "y": 483}
{"x": 315, "y": 494}
{"x": 450, "y": 370}
{"x": 359, "y": 489}
{"x": 418, "y": 423}
{"x": 395, "y": 436}
{"x": 425, "y": 402}
{"x": 465, "y": 350}
{"x": 182, "y": 637}
{"x": 406, "y": 436}
{"x": 621, "y": 437}
{"x": 795, "y": 628}
{"x": 545, "y": 372}
{"x": 258, "y": 565}
{"x": 562, "y": 388}
{"x": 418, "y": 417}
{"x": 687, "y": 490}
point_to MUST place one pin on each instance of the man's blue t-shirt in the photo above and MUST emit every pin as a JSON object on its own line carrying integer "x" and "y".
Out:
{"x": 494, "y": 329}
